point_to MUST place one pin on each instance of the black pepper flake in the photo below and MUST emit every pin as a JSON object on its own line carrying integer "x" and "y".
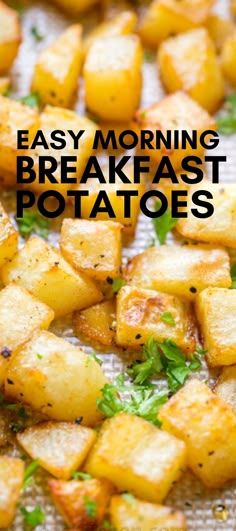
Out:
{"x": 96, "y": 265}
{"x": 56, "y": 263}
{"x": 109, "y": 280}
{"x": 10, "y": 381}
{"x": 49, "y": 405}
{"x": 78, "y": 420}
{"x": 102, "y": 255}
{"x": 6, "y": 352}
{"x": 211, "y": 453}
{"x": 138, "y": 336}
{"x": 188, "y": 504}
{"x": 200, "y": 465}
{"x": 193, "y": 289}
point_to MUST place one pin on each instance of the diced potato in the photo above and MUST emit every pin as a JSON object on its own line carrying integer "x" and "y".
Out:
{"x": 120, "y": 24}
{"x": 20, "y": 315}
{"x": 216, "y": 313}
{"x": 228, "y": 59}
{"x": 181, "y": 271}
{"x": 93, "y": 247}
{"x": 8, "y": 237}
{"x": 177, "y": 111}
{"x": 195, "y": 415}
{"x": 60, "y": 447}
{"x": 41, "y": 270}
{"x": 53, "y": 118}
{"x": 97, "y": 322}
{"x": 5, "y": 83}
{"x": 11, "y": 480}
{"x": 113, "y": 80}
{"x": 219, "y": 227}
{"x": 137, "y": 514}
{"x": 117, "y": 204}
{"x": 226, "y": 386}
{"x": 233, "y": 6}
{"x": 167, "y": 17}
{"x": 55, "y": 378}
{"x": 57, "y": 69}
{"x": 198, "y": 73}
{"x": 219, "y": 30}
{"x": 137, "y": 457}
{"x": 82, "y": 503}
{"x": 140, "y": 315}
{"x": 12, "y": 115}
{"x": 10, "y": 36}
{"x": 75, "y": 7}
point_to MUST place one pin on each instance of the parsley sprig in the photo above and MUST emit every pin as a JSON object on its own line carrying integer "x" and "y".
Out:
{"x": 33, "y": 222}
{"x": 227, "y": 121}
{"x": 29, "y": 472}
{"x": 164, "y": 224}
{"x": 233, "y": 276}
{"x": 33, "y": 518}
{"x": 90, "y": 507}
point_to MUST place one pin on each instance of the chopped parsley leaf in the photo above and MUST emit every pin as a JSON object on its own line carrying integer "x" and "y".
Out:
{"x": 36, "y": 34}
{"x": 128, "y": 497}
{"x": 33, "y": 518}
{"x": 80, "y": 475}
{"x": 33, "y": 222}
{"x": 148, "y": 56}
{"x": 233, "y": 276}
{"x": 32, "y": 100}
{"x": 90, "y": 507}
{"x": 227, "y": 121}
{"x": 117, "y": 284}
{"x": 168, "y": 318}
{"x": 163, "y": 224}
{"x": 96, "y": 358}
{"x": 29, "y": 471}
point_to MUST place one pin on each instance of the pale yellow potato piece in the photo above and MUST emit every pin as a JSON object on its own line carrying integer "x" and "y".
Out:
{"x": 14, "y": 115}
{"x": 40, "y": 269}
{"x": 60, "y": 447}
{"x": 56, "y": 118}
{"x": 5, "y": 83}
{"x": 10, "y": 36}
{"x": 56, "y": 378}
{"x": 11, "y": 481}
{"x": 177, "y": 111}
{"x": 20, "y": 315}
{"x": 121, "y": 24}
{"x": 228, "y": 59}
{"x": 97, "y": 322}
{"x": 143, "y": 459}
{"x": 233, "y": 6}
{"x": 139, "y": 316}
{"x": 113, "y": 79}
{"x": 166, "y": 17}
{"x": 57, "y": 69}
{"x": 216, "y": 313}
{"x": 219, "y": 30}
{"x": 137, "y": 514}
{"x": 75, "y": 7}
{"x": 226, "y": 386}
{"x": 219, "y": 228}
{"x": 195, "y": 415}
{"x": 92, "y": 247}
{"x": 72, "y": 500}
{"x": 197, "y": 73}
{"x": 8, "y": 237}
{"x": 180, "y": 270}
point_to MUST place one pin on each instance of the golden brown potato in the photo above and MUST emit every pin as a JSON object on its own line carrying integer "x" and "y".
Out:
{"x": 8, "y": 237}
{"x": 216, "y": 313}
{"x": 182, "y": 271}
{"x": 5, "y": 83}
{"x": 141, "y": 314}
{"x": 233, "y": 6}
{"x": 82, "y": 503}
{"x": 137, "y": 514}
{"x": 226, "y": 386}
{"x": 11, "y": 481}
{"x": 121, "y": 24}
{"x": 40, "y": 269}
{"x": 59, "y": 447}
{"x": 92, "y": 247}
{"x": 228, "y": 58}
{"x": 10, "y": 36}
{"x": 195, "y": 415}
{"x": 143, "y": 459}
{"x": 198, "y": 72}
{"x": 55, "y": 378}
{"x": 219, "y": 30}
{"x": 97, "y": 322}
{"x": 74, "y": 7}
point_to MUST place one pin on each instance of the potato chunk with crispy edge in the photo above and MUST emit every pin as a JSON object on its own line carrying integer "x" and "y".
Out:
{"x": 55, "y": 378}
{"x": 60, "y": 447}
{"x": 121, "y": 24}
{"x": 219, "y": 29}
{"x": 8, "y": 237}
{"x": 226, "y": 386}
{"x": 97, "y": 322}
{"x": 228, "y": 58}
{"x": 74, "y": 7}
{"x": 11, "y": 481}
{"x": 195, "y": 415}
{"x": 143, "y": 460}
{"x": 10, "y": 36}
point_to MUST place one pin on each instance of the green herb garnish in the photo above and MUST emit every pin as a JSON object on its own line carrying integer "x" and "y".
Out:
{"x": 163, "y": 224}
{"x": 33, "y": 518}
{"x": 36, "y": 34}
{"x": 29, "y": 472}
{"x": 33, "y": 222}
{"x": 227, "y": 122}
{"x": 80, "y": 475}
{"x": 128, "y": 497}
{"x": 32, "y": 100}
{"x": 90, "y": 507}
{"x": 168, "y": 318}
{"x": 117, "y": 284}
{"x": 39, "y": 356}
{"x": 96, "y": 358}
{"x": 233, "y": 276}
{"x": 148, "y": 56}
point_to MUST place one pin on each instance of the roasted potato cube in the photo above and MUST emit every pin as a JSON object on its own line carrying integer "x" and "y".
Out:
{"x": 228, "y": 59}
{"x": 141, "y": 314}
{"x": 97, "y": 322}
{"x": 198, "y": 74}
{"x": 218, "y": 228}
{"x": 50, "y": 119}
{"x": 216, "y": 313}
{"x": 112, "y": 74}
{"x": 8, "y": 237}
{"x": 181, "y": 271}
{"x": 226, "y": 386}
{"x": 143, "y": 460}
{"x": 93, "y": 247}
{"x": 12, "y": 115}
{"x": 57, "y": 69}
{"x": 82, "y": 503}
{"x": 41, "y": 270}
{"x": 60, "y": 447}
{"x": 11, "y": 481}
{"x": 10, "y": 36}
{"x": 233, "y": 6}
{"x": 195, "y": 415}
{"x": 175, "y": 111}
{"x": 120, "y": 24}
{"x": 167, "y": 17}
{"x": 56, "y": 378}
{"x": 20, "y": 315}
{"x": 219, "y": 30}
{"x": 5, "y": 83}
{"x": 145, "y": 516}
{"x": 75, "y": 7}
